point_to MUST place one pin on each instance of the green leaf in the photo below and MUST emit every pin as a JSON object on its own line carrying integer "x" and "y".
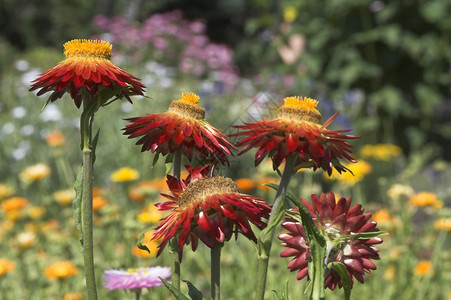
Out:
{"x": 94, "y": 145}
{"x": 177, "y": 293}
{"x": 340, "y": 268}
{"x": 264, "y": 232}
{"x": 193, "y": 292}
{"x": 76, "y": 203}
{"x": 155, "y": 158}
{"x": 368, "y": 235}
{"x": 141, "y": 238}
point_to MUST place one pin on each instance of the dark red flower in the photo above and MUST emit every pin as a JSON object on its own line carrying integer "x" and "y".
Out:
{"x": 87, "y": 65}
{"x": 339, "y": 222}
{"x": 297, "y": 131}
{"x": 207, "y": 208}
{"x": 181, "y": 128}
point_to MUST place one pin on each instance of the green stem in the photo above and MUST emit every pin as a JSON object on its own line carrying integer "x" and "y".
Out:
{"x": 215, "y": 272}
{"x": 175, "y": 275}
{"x": 86, "y": 214}
{"x": 263, "y": 260}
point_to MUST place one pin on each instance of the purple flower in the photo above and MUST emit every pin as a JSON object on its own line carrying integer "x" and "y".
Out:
{"x": 135, "y": 278}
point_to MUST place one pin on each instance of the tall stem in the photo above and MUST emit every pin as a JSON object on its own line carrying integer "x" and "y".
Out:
{"x": 216, "y": 272}
{"x": 175, "y": 275}
{"x": 263, "y": 260}
{"x": 86, "y": 213}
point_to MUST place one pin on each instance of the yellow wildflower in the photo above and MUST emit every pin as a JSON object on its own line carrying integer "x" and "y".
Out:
{"x": 151, "y": 214}
{"x": 360, "y": 169}
{"x": 425, "y": 199}
{"x": 14, "y": 204}
{"x": 390, "y": 273}
{"x": 35, "y": 173}
{"x": 36, "y": 212}
{"x": 124, "y": 174}
{"x": 152, "y": 245}
{"x": 6, "y": 190}
{"x": 423, "y": 268}
{"x": 6, "y": 266}
{"x": 64, "y": 197}
{"x": 60, "y": 270}
{"x": 290, "y": 14}
{"x": 397, "y": 191}
{"x": 443, "y": 224}
{"x": 380, "y": 151}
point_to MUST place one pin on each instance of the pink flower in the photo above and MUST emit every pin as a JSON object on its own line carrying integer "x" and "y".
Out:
{"x": 135, "y": 278}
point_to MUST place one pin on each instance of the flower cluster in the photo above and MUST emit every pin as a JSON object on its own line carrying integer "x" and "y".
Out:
{"x": 182, "y": 42}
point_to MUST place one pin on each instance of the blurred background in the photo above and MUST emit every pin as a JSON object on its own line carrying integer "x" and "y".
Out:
{"x": 385, "y": 65}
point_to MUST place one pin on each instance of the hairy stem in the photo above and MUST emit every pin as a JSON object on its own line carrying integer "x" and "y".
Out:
{"x": 263, "y": 260}
{"x": 216, "y": 272}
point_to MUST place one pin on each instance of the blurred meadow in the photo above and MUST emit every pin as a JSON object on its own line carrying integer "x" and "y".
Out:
{"x": 385, "y": 65}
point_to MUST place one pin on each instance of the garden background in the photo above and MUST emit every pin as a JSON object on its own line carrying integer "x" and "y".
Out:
{"x": 385, "y": 65}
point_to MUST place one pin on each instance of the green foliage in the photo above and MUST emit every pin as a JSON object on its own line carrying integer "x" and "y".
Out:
{"x": 400, "y": 66}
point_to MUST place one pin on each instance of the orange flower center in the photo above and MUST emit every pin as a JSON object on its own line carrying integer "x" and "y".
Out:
{"x": 199, "y": 190}
{"x": 188, "y": 106}
{"x": 87, "y": 48}
{"x": 300, "y": 109}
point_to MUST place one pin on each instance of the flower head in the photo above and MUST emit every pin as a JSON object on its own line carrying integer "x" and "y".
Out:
{"x": 87, "y": 67}
{"x": 60, "y": 270}
{"x": 443, "y": 224}
{"x": 383, "y": 152}
{"x": 35, "y": 173}
{"x": 151, "y": 244}
{"x": 55, "y": 139}
{"x": 64, "y": 197}
{"x": 208, "y": 208}
{"x": 14, "y": 204}
{"x": 135, "y": 278}
{"x": 425, "y": 199}
{"x": 423, "y": 268}
{"x": 297, "y": 131}
{"x": 359, "y": 170}
{"x": 125, "y": 174}
{"x": 339, "y": 222}
{"x": 6, "y": 190}
{"x": 98, "y": 202}
{"x": 6, "y": 266}
{"x": 181, "y": 128}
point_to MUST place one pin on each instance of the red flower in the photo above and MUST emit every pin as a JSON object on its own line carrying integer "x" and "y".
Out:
{"x": 181, "y": 128}
{"x": 297, "y": 131}
{"x": 208, "y": 208}
{"x": 87, "y": 65}
{"x": 339, "y": 222}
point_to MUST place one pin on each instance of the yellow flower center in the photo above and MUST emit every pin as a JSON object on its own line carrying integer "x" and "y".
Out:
{"x": 87, "y": 48}
{"x": 188, "y": 106}
{"x": 199, "y": 190}
{"x": 300, "y": 109}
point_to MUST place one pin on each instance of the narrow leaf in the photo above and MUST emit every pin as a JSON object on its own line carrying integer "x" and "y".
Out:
{"x": 268, "y": 229}
{"x": 340, "y": 268}
{"x": 177, "y": 293}
{"x": 368, "y": 235}
{"x": 94, "y": 145}
{"x": 193, "y": 292}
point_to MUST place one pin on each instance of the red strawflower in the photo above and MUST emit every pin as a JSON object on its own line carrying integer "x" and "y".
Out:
{"x": 87, "y": 66}
{"x": 208, "y": 208}
{"x": 181, "y": 128}
{"x": 338, "y": 222}
{"x": 297, "y": 131}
